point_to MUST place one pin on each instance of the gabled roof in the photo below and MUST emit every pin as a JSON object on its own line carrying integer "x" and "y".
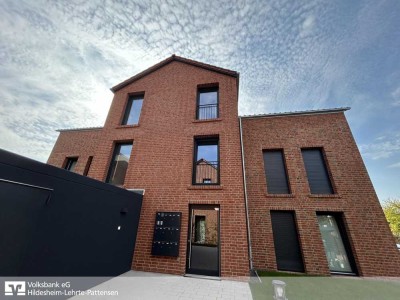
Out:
{"x": 171, "y": 59}
{"x": 294, "y": 113}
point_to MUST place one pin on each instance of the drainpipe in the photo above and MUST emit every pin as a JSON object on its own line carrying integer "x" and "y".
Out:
{"x": 245, "y": 196}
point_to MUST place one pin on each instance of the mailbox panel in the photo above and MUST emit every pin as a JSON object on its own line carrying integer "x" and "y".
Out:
{"x": 166, "y": 236}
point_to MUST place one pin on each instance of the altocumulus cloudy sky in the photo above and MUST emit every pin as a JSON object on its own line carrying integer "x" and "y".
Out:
{"x": 58, "y": 60}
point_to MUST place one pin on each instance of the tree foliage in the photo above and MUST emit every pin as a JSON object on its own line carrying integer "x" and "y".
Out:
{"x": 391, "y": 208}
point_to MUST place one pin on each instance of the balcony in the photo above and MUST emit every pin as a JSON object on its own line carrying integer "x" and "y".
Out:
{"x": 206, "y": 172}
{"x": 207, "y": 111}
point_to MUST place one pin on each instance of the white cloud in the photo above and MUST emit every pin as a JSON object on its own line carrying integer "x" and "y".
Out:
{"x": 396, "y": 96}
{"x": 307, "y": 26}
{"x": 59, "y": 58}
{"x": 382, "y": 147}
{"x": 396, "y": 165}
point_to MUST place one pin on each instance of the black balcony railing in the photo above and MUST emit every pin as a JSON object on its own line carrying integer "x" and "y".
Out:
{"x": 206, "y": 172}
{"x": 207, "y": 111}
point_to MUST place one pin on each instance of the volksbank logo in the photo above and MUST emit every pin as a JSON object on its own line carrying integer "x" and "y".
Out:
{"x": 14, "y": 288}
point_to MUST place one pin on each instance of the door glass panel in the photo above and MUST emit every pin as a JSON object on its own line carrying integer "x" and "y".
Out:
{"x": 333, "y": 244}
{"x": 200, "y": 229}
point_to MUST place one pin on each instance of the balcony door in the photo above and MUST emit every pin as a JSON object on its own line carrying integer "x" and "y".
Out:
{"x": 203, "y": 240}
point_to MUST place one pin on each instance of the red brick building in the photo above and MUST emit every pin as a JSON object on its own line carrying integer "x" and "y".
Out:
{"x": 283, "y": 191}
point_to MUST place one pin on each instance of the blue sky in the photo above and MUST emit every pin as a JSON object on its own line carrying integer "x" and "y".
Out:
{"x": 59, "y": 59}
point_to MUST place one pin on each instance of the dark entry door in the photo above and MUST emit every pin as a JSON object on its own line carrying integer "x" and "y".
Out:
{"x": 287, "y": 247}
{"x": 203, "y": 240}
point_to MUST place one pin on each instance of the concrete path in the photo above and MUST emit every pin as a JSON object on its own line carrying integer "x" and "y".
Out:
{"x": 143, "y": 285}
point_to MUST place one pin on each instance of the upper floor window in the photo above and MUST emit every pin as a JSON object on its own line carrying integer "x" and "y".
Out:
{"x": 207, "y": 103}
{"x": 87, "y": 167}
{"x": 317, "y": 172}
{"x": 206, "y": 161}
{"x": 275, "y": 172}
{"x": 71, "y": 163}
{"x": 119, "y": 163}
{"x": 133, "y": 109}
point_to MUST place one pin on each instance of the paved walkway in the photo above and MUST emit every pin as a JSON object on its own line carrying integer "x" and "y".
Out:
{"x": 143, "y": 285}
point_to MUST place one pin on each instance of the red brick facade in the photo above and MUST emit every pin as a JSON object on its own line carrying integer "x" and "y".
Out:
{"x": 372, "y": 243}
{"x": 161, "y": 162}
{"x": 162, "y": 159}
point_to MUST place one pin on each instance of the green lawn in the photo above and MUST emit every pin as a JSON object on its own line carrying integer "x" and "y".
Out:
{"x": 300, "y": 286}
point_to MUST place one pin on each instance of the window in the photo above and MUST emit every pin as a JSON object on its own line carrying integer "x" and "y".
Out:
{"x": 286, "y": 241}
{"x": 336, "y": 245}
{"x": 207, "y": 103}
{"x": 206, "y": 161}
{"x": 275, "y": 172}
{"x": 87, "y": 167}
{"x": 317, "y": 172}
{"x": 119, "y": 163}
{"x": 133, "y": 109}
{"x": 70, "y": 164}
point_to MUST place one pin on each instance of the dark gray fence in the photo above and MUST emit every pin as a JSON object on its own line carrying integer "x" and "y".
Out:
{"x": 57, "y": 223}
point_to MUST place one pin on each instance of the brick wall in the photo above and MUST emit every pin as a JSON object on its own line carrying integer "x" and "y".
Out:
{"x": 162, "y": 157}
{"x": 372, "y": 243}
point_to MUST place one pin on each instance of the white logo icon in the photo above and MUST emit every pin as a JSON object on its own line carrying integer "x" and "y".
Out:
{"x": 14, "y": 288}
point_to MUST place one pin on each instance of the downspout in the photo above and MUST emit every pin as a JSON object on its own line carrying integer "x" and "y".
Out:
{"x": 245, "y": 196}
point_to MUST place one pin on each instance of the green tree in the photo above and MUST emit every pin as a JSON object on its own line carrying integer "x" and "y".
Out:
{"x": 391, "y": 208}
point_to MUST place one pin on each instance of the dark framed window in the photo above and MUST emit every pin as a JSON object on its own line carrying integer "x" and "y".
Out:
{"x": 70, "y": 163}
{"x": 286, "y": 241}
{"x": 336, "y": 243}
{"x": 207, "y": 103}
{"x": 132, "y": 110}
{"x": 317, "y": 171}
{"x": 206, "y": 161}
{"x": 87, "y": 167}
{"x": 275, "y": 172}
{"x": 119, "y": 163}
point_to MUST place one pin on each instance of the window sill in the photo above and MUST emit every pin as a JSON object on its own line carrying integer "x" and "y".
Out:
{"x": 207, "y": 120}
{"x": 205, "y": 187}
{"x": 324, "y": 196}
{"x": 279, "y": 195}
{"x": 127, "y": 126}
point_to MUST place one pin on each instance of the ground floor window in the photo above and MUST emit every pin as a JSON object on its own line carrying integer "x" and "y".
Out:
{"x": 335, "y": 247}
{"x": 286, "y": 241}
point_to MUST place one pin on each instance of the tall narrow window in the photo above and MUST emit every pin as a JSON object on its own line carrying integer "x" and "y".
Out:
{"x": 317, "y": 172}
{"x": 207, "y": 103}
{"x": 133, "y": 109}
{"x": 71, "y": 163}
{"x": 275, "y": 172}
{"x": 206, "y": 162}
{"x": 336, "y": 247}
{"x": 119, "y": 164}
{"x": 88, "y": 164}
{"x": 286, "y": 241}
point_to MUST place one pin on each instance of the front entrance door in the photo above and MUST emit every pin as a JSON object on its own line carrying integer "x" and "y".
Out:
{"x": 203, "y": 240}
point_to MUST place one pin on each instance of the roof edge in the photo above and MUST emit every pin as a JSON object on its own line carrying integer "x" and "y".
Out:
{"x": 167, "y": 61}
{"x": 80, "y": 129}
{"x": 296, "y": 113}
